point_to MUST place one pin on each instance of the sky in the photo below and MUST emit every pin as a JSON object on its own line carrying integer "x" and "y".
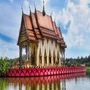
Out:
{"x": 73, "y": 17}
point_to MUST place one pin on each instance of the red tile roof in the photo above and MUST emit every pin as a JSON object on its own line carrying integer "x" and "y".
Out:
{"x": 27, "y": 21}
{"x": 44, "y": 21}
{"x": 38, "y": 26}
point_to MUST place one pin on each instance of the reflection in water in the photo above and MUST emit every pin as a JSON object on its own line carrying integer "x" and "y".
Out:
{"x": 36, "y": 83}
{"x": 3, "y": 84}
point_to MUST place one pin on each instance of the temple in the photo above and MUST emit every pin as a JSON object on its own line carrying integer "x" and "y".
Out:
{"x": 42, "y": 40}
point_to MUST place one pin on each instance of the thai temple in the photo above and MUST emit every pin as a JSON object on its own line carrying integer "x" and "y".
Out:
{"x": 42, "y": 40}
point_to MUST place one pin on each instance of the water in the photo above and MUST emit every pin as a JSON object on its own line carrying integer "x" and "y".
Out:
{"x": 64, "y": 82}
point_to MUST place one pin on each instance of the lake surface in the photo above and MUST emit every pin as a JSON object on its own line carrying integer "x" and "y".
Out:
{"x": 69, "y": 82}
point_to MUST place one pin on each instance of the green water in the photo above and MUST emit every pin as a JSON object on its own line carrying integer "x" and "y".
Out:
{"x": 45, "y": 83}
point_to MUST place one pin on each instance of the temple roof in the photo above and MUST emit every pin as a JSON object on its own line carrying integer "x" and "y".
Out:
{"x": 38, "y": 26}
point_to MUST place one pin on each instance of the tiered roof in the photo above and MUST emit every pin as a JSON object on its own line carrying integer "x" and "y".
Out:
{"x": 38, "y": 26}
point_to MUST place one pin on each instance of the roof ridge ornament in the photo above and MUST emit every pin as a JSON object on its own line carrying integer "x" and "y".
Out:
{"x": 34, "y": 5}
{"x": 30, "y": 9}
{"x": 22, "y": 9}
{"x": 43, "y": 12}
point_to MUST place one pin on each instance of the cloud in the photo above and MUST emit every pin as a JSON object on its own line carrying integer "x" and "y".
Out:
{"x": 8, "y": 49}
{"x": 78, "y": 32}
{"x": 26, "y": 3}
{"x": 74, "y": 18}
{"x": 10, "y": 19}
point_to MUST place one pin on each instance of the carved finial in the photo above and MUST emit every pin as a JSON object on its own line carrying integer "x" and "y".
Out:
{"x": 30, "y": 9}
{"x": 43, "y": 12}
{"x": 34, "y": 5}
{"x": 22, "y": 8}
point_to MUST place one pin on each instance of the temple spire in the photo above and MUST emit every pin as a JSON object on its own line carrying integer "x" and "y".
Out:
{"x": 43, "y": 12}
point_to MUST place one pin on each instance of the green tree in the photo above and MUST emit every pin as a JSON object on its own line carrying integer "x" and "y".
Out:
{"x": 4, "y": 65}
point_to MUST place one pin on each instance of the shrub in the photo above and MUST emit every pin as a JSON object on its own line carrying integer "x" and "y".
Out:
{"x": 4, "y": 65}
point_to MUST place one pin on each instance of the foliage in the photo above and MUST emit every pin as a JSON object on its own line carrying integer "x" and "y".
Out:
{"x": 77, "y": 61}
{"x": 88, "y": 69}
{"x": 4, "y": 65}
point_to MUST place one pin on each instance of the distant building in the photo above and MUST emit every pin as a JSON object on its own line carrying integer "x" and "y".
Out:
{"x": 42, "y": 39}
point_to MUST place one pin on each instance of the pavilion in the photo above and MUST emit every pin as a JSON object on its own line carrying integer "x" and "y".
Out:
{"x": 42, "y": 40}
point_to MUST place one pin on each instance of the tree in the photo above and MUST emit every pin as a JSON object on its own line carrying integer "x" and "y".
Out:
{"x": 4, "y": 65}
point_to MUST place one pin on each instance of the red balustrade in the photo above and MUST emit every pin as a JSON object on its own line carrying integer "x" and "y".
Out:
{"x": 45, "y": 71}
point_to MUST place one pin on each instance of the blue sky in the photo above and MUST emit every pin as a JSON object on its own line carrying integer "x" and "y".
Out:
{"x": 73, "y": 17}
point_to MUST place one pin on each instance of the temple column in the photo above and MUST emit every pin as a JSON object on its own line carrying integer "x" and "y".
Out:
{"x": 55, "y": 60}
{"x": 26, "y": 52}
{"x": 52, "y": 61}
{"x": 47, "y": 60}
{"x": 38, "y": 57}
{"x": 63, "y": 57}
{"x": 20, "y": 56}
{"x": 59, "y": 61}
{"x": 43, "y": 60}
{"x": 29, "y": 55}
{"x": 37, "y": 63}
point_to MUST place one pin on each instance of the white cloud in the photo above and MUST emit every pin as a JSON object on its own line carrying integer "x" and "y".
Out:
{"x": 78, "y": 14}
{"x": 8, "y": 49}
{"x": 10, "y": 19}
{"x": 26, "y": 3}
{"x": 78, "y": 33}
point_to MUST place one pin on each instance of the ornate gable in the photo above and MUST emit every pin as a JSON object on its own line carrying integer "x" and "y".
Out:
{"x": 22, "y": 34}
